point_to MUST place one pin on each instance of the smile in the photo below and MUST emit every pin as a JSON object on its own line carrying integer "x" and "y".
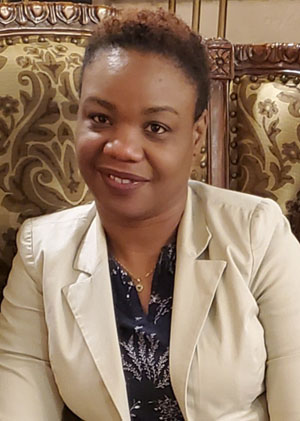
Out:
{"x": 122, "y": 180}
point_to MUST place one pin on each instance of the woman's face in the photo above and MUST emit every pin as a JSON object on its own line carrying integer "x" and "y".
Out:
{"x": 136, "y": 133}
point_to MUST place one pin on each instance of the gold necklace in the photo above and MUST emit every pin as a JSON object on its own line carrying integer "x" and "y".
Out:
{"x": 137, "y": 280}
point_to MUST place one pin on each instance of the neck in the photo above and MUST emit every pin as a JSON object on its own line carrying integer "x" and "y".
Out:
{"x": 140, "y": 240}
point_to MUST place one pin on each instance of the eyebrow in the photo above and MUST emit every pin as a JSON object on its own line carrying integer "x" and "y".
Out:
{"x": 151, "y": 110}
{"x": 106, "y": 104}
{"x": 158, "y": 109}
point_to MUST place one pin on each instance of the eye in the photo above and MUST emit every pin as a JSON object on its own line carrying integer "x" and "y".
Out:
{"x": 156, "y": 128}
{"x": 100, "y": 119}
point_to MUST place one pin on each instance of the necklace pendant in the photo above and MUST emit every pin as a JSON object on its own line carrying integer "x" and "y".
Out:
{"x": 139, "y": 287}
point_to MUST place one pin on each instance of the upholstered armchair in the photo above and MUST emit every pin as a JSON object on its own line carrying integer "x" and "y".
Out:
{"x": 253, "y": 141}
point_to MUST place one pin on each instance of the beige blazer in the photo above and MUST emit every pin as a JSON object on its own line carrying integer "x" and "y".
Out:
{"x": 235, "y": 335}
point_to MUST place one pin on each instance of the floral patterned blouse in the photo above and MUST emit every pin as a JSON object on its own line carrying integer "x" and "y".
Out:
{"x": 144, "y": 340}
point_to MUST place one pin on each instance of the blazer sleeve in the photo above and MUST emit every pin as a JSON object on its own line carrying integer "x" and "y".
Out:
{"x": 276, "y": 286}
{"x": 27, "y": 387}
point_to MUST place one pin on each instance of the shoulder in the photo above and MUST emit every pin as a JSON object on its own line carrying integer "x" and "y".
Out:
{"x": 218, "y": 200}
{"x": 227, "y": 199}
{"x": 63, "y": 217}
{"x": 237, "y": 216}
{"x": 248, "y": 230}
{"x": 56, "y": 231}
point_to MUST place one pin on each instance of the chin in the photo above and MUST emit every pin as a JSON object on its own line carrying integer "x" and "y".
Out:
{"x": 124, "y": 211}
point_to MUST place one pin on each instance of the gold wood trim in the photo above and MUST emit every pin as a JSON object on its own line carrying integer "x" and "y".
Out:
{"x": 44, "y": 31}
{"x": 35, "y": 14}
{"x": 172, "y": 6}
{"x": 196, "y": 15}
{"x": 222, "y": 18}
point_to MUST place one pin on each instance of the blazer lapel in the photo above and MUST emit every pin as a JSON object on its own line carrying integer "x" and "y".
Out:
{"x": 90, "y": 299}
{"x": 196, "y": 281}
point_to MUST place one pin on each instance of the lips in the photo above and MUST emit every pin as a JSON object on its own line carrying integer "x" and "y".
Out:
{"x": 122, "y": 180}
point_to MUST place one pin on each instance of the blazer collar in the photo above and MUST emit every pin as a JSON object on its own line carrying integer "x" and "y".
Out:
{"x": 91, "y": 301}
{"x": 196, "y": 281}
{"x": 193, "y": 233}
{"x": 92, "y": 248}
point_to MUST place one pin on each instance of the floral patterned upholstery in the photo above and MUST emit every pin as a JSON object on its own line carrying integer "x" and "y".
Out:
{"x": 38, "y": 105}
{"x": 265, "y": 140}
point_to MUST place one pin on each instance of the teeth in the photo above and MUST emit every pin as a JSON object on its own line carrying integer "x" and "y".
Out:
{"x": 120, "y": 180}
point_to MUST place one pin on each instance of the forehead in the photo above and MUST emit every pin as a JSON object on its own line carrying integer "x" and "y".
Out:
{"x": 117, "y": 71}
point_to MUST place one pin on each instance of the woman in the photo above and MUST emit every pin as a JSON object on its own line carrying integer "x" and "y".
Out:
{"x": 162, "y": 300}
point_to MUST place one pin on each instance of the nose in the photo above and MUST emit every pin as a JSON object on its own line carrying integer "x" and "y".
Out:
{"x": 126, "y": 146}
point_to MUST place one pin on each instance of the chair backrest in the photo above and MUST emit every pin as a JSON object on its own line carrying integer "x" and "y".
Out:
{"x": 41, "y": 49}
{"x": 264, "y": 133}
{"x": 257, "y": 149}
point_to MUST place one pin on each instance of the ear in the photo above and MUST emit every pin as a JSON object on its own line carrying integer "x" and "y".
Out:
{"x": 199, "y": 132}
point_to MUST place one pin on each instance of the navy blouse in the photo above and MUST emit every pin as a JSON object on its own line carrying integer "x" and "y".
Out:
{"x": 144, "y": 340}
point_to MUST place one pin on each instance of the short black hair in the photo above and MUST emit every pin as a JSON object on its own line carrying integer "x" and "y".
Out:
{"x": 157, "y": 32}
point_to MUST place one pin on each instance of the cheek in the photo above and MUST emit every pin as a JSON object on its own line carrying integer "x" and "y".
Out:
{"x": 84, "y": 150}
{"x": 173, "y": 163}
{"x": 180, "y": 153}
{"x": 88, "y": 147}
